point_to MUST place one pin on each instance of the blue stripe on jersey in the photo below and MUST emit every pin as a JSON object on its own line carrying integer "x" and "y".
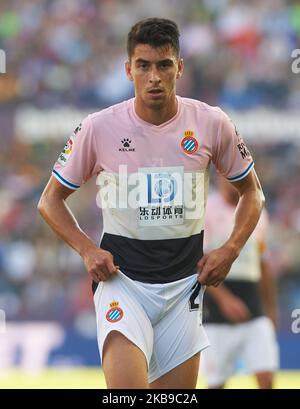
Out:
{"x": 242, "y": 175}
{"x": 64, "y": 181}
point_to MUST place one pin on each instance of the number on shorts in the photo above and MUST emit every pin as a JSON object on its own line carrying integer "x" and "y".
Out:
{"x": 193, "y": 305}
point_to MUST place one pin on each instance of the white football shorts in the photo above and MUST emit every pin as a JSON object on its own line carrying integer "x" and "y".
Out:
{"x": 163, "y": 320}
{"x": 253, "y": 343}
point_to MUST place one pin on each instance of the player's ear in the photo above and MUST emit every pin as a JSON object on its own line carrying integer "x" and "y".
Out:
{"x": 180, "y": 68}
{"x": 128, "y": 70}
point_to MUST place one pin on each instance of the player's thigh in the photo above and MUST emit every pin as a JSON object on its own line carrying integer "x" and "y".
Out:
{"x": 183, "y": 376}
{"x": 124, "y": 363}
{"x": 124, "y": 332}
{"x": 178, "y": 338}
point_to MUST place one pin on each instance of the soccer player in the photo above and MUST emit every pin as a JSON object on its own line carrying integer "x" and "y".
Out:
{"x": 151, "y": 155}
{"x": 240, "y": 315}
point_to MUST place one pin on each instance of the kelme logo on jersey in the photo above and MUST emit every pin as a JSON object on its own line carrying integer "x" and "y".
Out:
{"x": 189, "y": 144}
{"x": 115, "y": 313}
{"x": 126, "y": 142}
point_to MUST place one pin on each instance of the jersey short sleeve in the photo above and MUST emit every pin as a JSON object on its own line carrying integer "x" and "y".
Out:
{"x": 77, "y": 162}
{"x": 230, "y": 154}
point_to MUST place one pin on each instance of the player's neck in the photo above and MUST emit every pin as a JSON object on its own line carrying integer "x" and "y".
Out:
{"x": 156, "y": 116}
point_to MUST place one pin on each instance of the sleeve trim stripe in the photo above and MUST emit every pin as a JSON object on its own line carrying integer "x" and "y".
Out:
{"x": 242, "y": 175}
{"x": 64, "y": 181}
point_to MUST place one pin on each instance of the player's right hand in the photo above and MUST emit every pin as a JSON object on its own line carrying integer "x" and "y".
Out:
{"x": 99, "y": 264}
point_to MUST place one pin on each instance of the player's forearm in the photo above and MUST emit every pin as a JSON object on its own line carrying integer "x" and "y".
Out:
{"x": 60, "y": 218}
{"x": 247, "y": 215}
{"x": 219, "y": 294}
{"x": 268, "y": 290}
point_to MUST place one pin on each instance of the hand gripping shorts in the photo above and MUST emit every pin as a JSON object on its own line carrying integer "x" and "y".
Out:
{"x": 163, "y": 320}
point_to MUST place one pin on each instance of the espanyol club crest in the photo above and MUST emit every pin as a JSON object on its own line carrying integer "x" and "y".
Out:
{"x": 115, "y": 313}
{"x": 189, "y": 144}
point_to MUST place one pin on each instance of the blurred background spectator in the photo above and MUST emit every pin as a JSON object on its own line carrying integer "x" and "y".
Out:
{"x": 72, "y": 51}
{"x": 65, "y": 58}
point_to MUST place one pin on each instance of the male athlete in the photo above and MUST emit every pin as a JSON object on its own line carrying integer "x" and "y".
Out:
{"x": 151, "y": 155}
{"x": 240, "y": 315}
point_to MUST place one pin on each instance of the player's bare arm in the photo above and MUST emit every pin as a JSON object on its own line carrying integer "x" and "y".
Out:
{"x": 232, "y": 307}
{"x": 53, "y": 208}
{"x": 214, "y": 266}
{"x": 268, "y": 291}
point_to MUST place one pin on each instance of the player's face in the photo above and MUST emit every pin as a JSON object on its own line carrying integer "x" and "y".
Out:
{"x": 154, "y": 72}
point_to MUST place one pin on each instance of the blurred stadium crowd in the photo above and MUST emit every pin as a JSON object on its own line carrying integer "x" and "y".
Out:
{"x": 71, "y": 52}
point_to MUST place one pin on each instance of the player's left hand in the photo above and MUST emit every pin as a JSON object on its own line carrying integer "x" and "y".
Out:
{"x": 215, "y": 265}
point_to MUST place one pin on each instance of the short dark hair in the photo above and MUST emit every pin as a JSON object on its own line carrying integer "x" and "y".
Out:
{"x": 157, "y": 32}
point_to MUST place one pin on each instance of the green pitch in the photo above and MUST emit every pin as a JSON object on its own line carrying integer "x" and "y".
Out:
{"x": 94, "y": 379}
